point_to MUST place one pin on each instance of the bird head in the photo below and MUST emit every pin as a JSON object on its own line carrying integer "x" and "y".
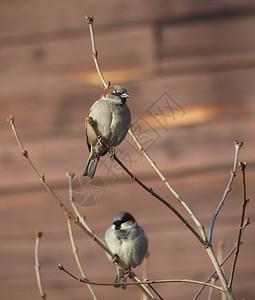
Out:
{"x": 124, "y": 220}
{"x": 116, "y": 93}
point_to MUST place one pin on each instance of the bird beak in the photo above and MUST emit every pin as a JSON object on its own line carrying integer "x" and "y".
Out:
{"x": 124, "y": 95}
{"x": 117, "y": 224}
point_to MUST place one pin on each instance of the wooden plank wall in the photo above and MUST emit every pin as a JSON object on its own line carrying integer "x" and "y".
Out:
{"x": 189, "y": 67}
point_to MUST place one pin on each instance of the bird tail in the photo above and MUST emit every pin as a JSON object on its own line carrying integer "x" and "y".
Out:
{"x": 119, "y": 278}
{"x": 91, "y": 166}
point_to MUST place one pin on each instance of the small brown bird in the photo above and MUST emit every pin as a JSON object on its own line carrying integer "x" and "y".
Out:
{"x": 128, "y": 241}
{"x": 111, "y": 120}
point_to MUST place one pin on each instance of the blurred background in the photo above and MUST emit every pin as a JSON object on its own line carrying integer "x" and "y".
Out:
{"x": 189, "y": 67}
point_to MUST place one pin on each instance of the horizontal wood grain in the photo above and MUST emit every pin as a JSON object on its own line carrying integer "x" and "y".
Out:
{"x": 197, "y": 57}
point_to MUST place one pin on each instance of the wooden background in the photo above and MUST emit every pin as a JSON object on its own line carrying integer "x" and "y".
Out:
{"x": 189, "y": 67}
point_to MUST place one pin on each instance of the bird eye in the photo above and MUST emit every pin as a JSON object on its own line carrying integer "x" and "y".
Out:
{"x": 116, "y": 93}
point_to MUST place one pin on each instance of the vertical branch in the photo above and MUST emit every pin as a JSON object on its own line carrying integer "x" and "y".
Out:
{"x": 77, "y": 259}
{"x": 82, "y": 220}
{"x": 220, "y": 273}
{"x": 90, "y": 21}
{"x": 242, "y": 166}
{"x": 145, "y": 272}
{"x": 215, "y": 277}
{"x": 38, "y": 236}
{"x": 214, "y": 273}
{"x": 221, "y": 247}
{"x": 238, "y": 145}
{"x": 213, "y": 280}
{"x": 70, "y": 176}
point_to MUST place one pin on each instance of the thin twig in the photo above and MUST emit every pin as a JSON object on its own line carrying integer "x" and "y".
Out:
{"x": 214, "y": 273}
{"x": 220, "y": 273}
{"x": 82, "y": 219}
{"x": 38, "y": 236}
{"x": 65, "y": 209}
{"x": 90, "y": 21}
{"x": 208, "y": 247}
{"x": 238, "y": 145}
{"x": 215, "y": 277}
{"x": 145, "y": 271}
{"x": 163, "y": 178}
{"x": 61, "y": 267}
{"x": 242, "y": 166}
{"x": 204, "y": 240}
{"x": 112, "y": 155}
{"x": 162, "y": 281}
{"x": 77, "y": 258}
{"x": 221, "y": 246}
{"x": 247, "y": 222}
{"x": 70, "y": 176}
{"x": 154, "y": 290}
{"x": 150, "y": 190}
{"x": 213, "y": 280}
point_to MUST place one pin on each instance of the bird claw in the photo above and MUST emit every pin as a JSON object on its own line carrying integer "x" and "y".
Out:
{"x": 99, "y": 139}
{"x": 115, "y": 258}
{"x": 112, "y": 152}
{"x": 128, "y": 274}
{"x": 89, "y": 120}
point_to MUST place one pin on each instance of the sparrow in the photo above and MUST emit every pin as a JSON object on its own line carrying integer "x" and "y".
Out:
{"x": 111, "y": 120}
{"x": 127, "y": 241}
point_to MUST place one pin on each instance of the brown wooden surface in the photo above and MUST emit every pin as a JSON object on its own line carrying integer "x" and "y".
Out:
{"x": 202, "y": 55}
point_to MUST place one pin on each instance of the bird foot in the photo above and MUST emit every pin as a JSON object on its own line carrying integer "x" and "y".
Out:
{"x": 99, "y": 139}
{"x": 128, "y": 274}
{"x": 115, "y": 258}
{"x": 111, "y": 152}
{"x": 89, "y": 120}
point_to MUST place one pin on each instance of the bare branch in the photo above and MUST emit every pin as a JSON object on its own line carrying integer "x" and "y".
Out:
{"x": 238, "y": 145}
{"x": 213, "y": 280}
{"x": 208, "y": 247}
{"x": 161, "y": 281}
{"x": 38, "y": 236}
{"x": 65, "y": 209}
{"x": 220, "y": 272}
{"x": 90, "y": 21}
{"x": 221, "y": 246}
{"x": 113, "y": 156}
{"x": 61, "y": 267}
{"x": 246, "y": 223}
{"x": 150, "y": 190}
{"x": 77, "y": 259}
{"x": 70, "y": 176}
{"x": 242, "y": 166}
{"x": 204, "y": 241}
{"x": 162, "y": 177}
{"x": 145, "y": 272}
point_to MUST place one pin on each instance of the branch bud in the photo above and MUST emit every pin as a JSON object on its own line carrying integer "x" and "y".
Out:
{"x": 11, "y": 118}
{"x": 89, "y": 19}
{"x": 38, "y": 234}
